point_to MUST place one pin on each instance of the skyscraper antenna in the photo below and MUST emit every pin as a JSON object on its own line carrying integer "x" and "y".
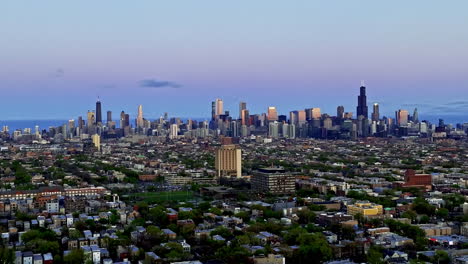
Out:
{"x": 362, "y": 83}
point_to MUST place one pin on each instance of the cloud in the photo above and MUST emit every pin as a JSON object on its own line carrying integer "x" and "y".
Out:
{"x": 458, "y": 103}
{"x": 418, "y": 105}
{"x": 58, "y": 73}
{"x": 108, "y": 86}
{"x": 153, "y": 83}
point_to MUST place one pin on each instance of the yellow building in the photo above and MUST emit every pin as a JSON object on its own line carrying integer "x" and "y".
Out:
{"x": 365, "y": 208}
{"x": 97, "y": 141}
{"x": 228, "y": 161}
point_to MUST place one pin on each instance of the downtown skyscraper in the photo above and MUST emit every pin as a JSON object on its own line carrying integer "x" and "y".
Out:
{"x": 139, "y": 119}
{"x": 98, "y": 112}
{"x": 362, "y": 109}
{"x": 376, "y": 112}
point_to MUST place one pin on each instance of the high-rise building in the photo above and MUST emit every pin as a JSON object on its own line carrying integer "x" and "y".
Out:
{"x": 97, "y": 141}
{"x": 80, "y": 123}
{"x": 219, "y": 107}
{"x": 98, "y": 112}
{"x": 71, "y": 125}
{"x": 402, "y": 118}
{"x": 91, "y": 118}
{"x": 109, "y": 116}
{"x": 301, "y": 117}
{"x": 375, "y": 113}
{"x": 340, "y": 112}
{"x": 126, "y": 120}
{"x": 242, "y": 106}
{"x": 293, "y": 117}
{"x": 273, "y": 129}
{"x": 362, "y": 102}
{"x": 316, "y": 114}
{"x": 228, "y": 161}
{"x": 213, "y": 110}
{"x": 313, "y": 113}
{"x": 415, "y": 116}
{"x": 327, "y": 123}
{"x": 245, "y": 117}
{"x": 272, "y": 114}
{"x": 139, "y": 120}
{"x": 174, "y": 131}
{"x": 273, "y": 180}
{"x": 297, "y": 117}
{"x": 122, "y": 119}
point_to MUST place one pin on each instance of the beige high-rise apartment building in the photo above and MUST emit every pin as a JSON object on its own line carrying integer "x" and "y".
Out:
{"x": 97, "y": 141}
{"x": 272, "y": 114}
{"x": 219, "y": 107}
{"x": 228, "y": 161}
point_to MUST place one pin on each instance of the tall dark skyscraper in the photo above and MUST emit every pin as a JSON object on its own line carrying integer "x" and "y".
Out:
{"x": 98, "y": 112}
{"x": 362, "y": 103}
{"x": 80, "y": 122}
{"x": 109, "y": 116}
{"x": 340, "y": 112}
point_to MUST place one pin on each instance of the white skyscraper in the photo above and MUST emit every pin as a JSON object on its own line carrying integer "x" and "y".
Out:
{"x": 139, "y": 120}
{"x": 174, "y": 131}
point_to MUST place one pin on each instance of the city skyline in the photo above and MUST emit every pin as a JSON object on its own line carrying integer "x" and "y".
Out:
{"x": 173, "y": 59}
{"x": 310, "y": 122}
{"x": 218, "y": 108}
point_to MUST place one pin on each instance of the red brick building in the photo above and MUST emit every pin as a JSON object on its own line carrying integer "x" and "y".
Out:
{"x": 147, "y": 177}
{"x": 418, "y": 180}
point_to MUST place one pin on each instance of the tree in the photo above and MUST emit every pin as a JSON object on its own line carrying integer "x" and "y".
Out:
{"x": 7, "y": 256}
{"x": 222, "y": 231}
{"x": 375, "y": 256}
{"x": 306, "y": 217}
{"x": 158, "y": 216}
{"x": 313, "y": 248}
{"x": 233, "y": 255}
{"x": 216, "y": 211}
{"x": 245, "y": 216}
{"x": 74, "y": 234}
{"x": 204, "y": 206}
{"x": 442, "y": 213}
{"x": 410, "y": 214}
{"x": 424, "y": 219}
{"x": 421, "y": 206}
{"x": 441, "y": 257}
{"x": 76, "y": 256}
{"x": 453, "y": 200}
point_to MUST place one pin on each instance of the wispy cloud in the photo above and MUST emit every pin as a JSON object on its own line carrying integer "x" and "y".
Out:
{"x": 154, "y": 83}
{"x": 458, "y": 103}
{"x": 58, "y": 73}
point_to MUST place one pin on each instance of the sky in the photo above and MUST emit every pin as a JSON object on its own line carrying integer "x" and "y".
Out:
{"x": 58, "y": 57}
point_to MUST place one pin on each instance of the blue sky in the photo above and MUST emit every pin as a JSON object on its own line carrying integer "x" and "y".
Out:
{"x": 57, "y": 57}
